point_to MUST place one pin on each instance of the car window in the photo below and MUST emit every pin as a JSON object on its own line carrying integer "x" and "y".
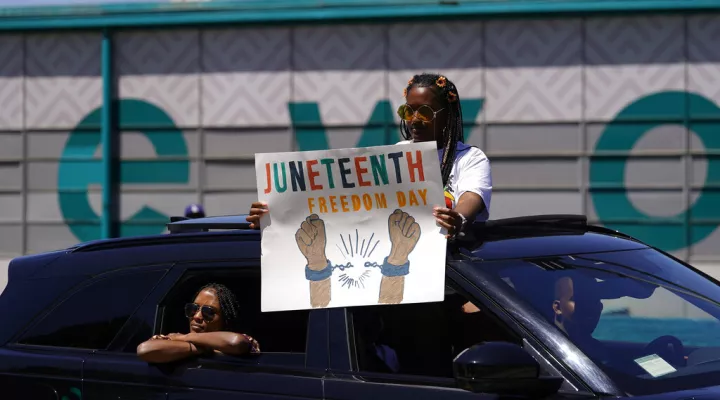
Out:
{"x": 651, "y": 323}
{"x": 640, "y": 321}
{"x": 276, "y": 332}
{"x": 91, "y": 316}
{"x": 422, "y": 338}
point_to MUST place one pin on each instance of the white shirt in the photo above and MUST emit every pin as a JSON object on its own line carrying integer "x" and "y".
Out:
{"x": 470, "y": 173}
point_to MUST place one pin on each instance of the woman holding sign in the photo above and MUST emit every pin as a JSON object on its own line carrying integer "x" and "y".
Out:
{"x": 432, "y": 112}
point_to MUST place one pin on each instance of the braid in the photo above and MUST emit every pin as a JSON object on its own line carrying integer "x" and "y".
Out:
{"x": 453, "y": 130}
{"x": 229, "y": 306}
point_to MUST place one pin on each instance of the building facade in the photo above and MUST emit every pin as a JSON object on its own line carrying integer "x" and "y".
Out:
{"x": 615, "y": 117}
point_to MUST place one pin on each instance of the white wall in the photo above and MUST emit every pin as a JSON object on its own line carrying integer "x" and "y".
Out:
{"x": 3, "y": 273}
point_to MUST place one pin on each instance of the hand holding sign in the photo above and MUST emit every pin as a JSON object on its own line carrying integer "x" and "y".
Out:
{"x": 404, "y": 234}
{"x": 311, "y": 241}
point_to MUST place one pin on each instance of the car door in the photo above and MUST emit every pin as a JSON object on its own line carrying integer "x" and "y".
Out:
{"x": 51, "y": 353}
{"x": 115, "y": 371}
{"x": 413, "y": 346}
{"x": 293, "y": 359}
{"x": 42, "y": 374}
{"x": 352, "y": 381}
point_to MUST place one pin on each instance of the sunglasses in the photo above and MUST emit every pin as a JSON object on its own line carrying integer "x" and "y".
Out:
{"x": 208, "y": 313}
{"x": 423, "y": 113}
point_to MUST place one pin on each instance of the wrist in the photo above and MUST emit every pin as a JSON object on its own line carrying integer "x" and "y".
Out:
{"x": 396, "y": 260}
{"x": 460, "y": 224}
{"x": 389, "y": 269}
{"x": 318, "y": 263}
{"x": 315, "y": 274}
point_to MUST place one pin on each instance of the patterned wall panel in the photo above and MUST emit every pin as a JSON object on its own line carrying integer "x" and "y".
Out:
{"x": 533, "y": 173}
{"x": 11, "y": 82}
{"x": 246, "y": 77}
{"x": 136, "y": 145}
{"x": 707, "y": 250}
{"x": 533, "y": 70}
{"x": 48, "y": 237}
{"x": 512, "y": 204}
{"x": 49, "y": 145}
{"x": 162, "y": 68}
{"x": 703, "y": 69}
{"x": 11, "y": 144}
{"x": 164, "y": 203}
{"x": 343, "y": 68}
{"x": 451, "y": 48}
{"x": 630, "y": 57}
{"x": 546, "y": 88}
{"x": 11, "y": 211}
{"x": 533, "y": 139}
{"x": 62, "y": 82}
{"x": 229, "y": 143}
{"x": 218, "y": 203}
{"x": 230, "y": 176}
{"x": 11, "y": 240}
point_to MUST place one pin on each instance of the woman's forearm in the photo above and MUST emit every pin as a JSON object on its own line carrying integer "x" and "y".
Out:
{"x": 224, "y": 342}
{"x": 470, "y": 205}
{"x": 162, "y": 351}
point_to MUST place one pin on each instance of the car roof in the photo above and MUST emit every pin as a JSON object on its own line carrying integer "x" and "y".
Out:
{"x": 527, "y": 236}
{"x": 523, "y": 237}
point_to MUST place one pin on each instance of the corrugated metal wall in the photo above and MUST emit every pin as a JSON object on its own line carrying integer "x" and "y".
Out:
{"x": 612, "y": 117}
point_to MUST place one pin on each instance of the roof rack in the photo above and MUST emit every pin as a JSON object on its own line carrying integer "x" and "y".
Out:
{"x": 185, "y": 225}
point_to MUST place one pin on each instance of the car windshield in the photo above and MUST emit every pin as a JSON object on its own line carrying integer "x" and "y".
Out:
{"x": 651, "y": 323}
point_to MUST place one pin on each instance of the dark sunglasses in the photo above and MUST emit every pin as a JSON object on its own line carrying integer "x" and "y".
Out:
{"x": 423, "y": 113}
{"x": 208, "y": 313}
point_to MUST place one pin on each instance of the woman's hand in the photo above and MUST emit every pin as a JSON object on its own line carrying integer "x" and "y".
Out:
{"x": 170, "y": 336}
{"x": 177, "y": 337}
{"x": 257, "y": 210}
{"x": 448, "y": 219}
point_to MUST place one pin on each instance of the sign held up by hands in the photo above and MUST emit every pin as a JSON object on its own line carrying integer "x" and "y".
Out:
{"x": 351, "y": 227}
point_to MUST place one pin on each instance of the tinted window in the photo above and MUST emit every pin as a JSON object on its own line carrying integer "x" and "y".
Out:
{"x": 388, "y": 339}
{"x": 650, "y": 322}
{"x": 91, "y": 317}
{"x": 276, "y": 332}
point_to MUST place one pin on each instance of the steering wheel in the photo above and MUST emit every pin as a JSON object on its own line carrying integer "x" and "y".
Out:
{"x": 669, "y": 348}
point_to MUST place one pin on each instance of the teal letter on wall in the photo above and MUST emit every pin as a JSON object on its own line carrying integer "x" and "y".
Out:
{"x": 607, "y": 173}
{"x": 77, "y": 169}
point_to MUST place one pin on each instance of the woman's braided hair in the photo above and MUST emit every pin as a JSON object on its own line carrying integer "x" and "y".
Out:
{"x": 453, "y": 131}
{"x": 229, "y": 306}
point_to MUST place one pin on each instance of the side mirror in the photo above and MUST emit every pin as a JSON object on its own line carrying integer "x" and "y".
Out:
{"x": 504, "y": 369}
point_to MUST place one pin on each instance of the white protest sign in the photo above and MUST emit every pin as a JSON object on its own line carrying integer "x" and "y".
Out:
{"x": 351, "y": 227}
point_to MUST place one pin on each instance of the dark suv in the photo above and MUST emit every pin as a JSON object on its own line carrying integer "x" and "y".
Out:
{"x": 560, "y": 309}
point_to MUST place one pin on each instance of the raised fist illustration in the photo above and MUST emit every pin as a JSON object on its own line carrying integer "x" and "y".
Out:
{"x": 404, "y": 235}
{"x": 311, "y": 241}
